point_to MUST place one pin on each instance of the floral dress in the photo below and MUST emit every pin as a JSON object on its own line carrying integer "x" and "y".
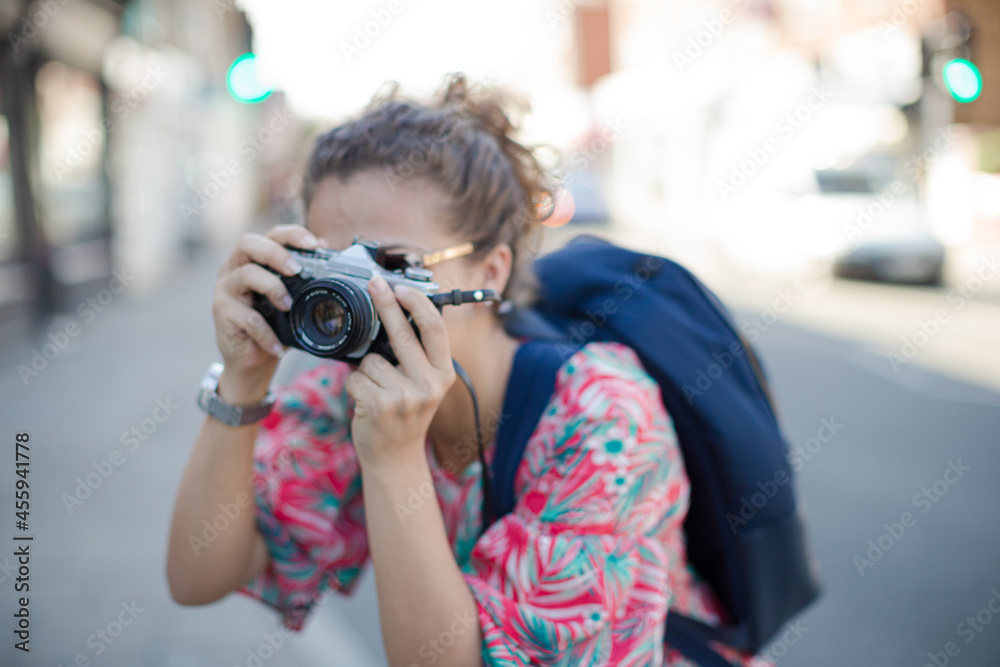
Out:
{"x": 584, "y": 569}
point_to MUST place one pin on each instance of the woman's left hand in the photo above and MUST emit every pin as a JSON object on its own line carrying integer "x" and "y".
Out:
{"x": 394, "y": 405}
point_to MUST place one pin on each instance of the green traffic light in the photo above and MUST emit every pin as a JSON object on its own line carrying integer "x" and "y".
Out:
{"x": 243, "y": 82}
{"x": 962, "y": 79}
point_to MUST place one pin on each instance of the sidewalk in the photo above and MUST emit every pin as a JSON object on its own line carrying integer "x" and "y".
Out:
{"x": 95, "y": 552}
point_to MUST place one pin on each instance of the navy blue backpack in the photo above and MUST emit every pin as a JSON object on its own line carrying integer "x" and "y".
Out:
{"x": 745, "y": 535}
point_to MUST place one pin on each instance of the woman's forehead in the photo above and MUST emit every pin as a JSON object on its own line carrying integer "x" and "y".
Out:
{"x": 407, "y": 215}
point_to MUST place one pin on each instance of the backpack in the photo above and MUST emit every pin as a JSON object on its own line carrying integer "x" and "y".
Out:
{"x": 745, "y": 532}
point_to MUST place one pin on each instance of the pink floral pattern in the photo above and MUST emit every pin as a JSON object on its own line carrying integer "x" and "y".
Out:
{"x": 582, "y": 572}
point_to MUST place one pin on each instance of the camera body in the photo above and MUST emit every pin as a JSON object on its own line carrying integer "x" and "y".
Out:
{"x": 332, "y": 314}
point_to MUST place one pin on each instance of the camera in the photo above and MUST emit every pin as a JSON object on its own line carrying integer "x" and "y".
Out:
{"x": 333, "y": 316}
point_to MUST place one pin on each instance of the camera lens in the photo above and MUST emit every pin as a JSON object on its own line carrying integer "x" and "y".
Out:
{"x": 331, "y": 318}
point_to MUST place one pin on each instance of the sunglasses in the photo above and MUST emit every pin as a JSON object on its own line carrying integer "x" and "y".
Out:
{"x": 393, "y": 260}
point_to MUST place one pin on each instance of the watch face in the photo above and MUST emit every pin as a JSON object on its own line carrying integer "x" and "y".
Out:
{"x": 205, "y": 396}
{"x": 211, "y": 380}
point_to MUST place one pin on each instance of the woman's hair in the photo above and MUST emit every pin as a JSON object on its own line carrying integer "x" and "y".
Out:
{"x": 462, "y": 142}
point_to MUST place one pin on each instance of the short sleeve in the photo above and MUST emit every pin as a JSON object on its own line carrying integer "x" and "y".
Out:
{"x": 307, "y": 490}
{"x": 575, "y": 575}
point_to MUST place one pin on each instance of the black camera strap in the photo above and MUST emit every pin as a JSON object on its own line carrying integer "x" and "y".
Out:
{"x": 487, "y": 486}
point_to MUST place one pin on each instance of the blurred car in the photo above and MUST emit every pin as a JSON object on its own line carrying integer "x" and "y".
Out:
{"x": 909, "y": 257}
{"x": 887, "y": 237}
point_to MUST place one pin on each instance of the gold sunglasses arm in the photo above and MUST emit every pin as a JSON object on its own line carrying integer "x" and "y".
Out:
{"x": 459, "y": 250}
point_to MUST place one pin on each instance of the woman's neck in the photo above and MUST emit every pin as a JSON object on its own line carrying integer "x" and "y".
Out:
{"x": 453, "y": 429}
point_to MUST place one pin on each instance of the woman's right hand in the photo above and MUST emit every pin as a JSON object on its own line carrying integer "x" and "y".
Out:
{"x": 250, "y": 349}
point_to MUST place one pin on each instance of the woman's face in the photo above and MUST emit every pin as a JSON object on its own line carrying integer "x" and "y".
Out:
{"x": 408, "y": 216}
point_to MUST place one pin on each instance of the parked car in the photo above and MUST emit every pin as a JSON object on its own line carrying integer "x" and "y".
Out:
{"x": 907, "y": 258}
{"x": 886, "y": 234}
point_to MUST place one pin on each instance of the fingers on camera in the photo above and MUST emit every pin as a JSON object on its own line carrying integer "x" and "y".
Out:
{"x": 242, "y": 320}
{"x": 433, "y": 334}
{"x": 294, "y": 235}
{"x": 266, "y": 251}
{"x": 254, "y": 278}
{"x": 262, "y": 334}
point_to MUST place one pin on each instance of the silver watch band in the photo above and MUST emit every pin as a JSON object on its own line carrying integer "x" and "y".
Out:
{"x": 227, "y": 413}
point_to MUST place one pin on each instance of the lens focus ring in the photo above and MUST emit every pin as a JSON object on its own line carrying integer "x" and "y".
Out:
{"x": 330, "y": 318}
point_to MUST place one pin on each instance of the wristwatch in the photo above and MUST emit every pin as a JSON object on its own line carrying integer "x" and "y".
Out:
{"x": 227, "y": 413}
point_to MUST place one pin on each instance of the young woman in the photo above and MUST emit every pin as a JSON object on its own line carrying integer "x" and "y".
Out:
{"x": 584, "y": 569}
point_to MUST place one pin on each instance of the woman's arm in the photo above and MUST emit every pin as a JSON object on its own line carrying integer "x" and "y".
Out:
{"x": 217, "y": 480}
{"x": 218, "y": 474}
{"x": 422, "y": 594}
{"x": 424, "y": 600}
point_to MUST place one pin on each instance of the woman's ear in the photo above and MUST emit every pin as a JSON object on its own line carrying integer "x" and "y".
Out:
{"x": 497, "y": 267}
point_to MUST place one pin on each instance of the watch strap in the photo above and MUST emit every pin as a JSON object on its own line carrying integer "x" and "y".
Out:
{"x": 227, "y": 413}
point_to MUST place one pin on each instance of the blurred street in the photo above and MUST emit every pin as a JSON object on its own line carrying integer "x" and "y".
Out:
{"x": 830, "y": 168}
{"x": 893, "y": 436}
{"x": 112, "y": 547}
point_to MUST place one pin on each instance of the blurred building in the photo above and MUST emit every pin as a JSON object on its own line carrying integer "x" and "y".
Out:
{"x": 121, "y": 146}
{"x": 786, "y": 90}
{"x": 50, "y": 52}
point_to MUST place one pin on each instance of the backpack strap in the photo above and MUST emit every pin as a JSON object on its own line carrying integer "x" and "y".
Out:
{"x": 531, "y": 384}
{"x": 529, "y": 390}
{"x": 691, "y": 637}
